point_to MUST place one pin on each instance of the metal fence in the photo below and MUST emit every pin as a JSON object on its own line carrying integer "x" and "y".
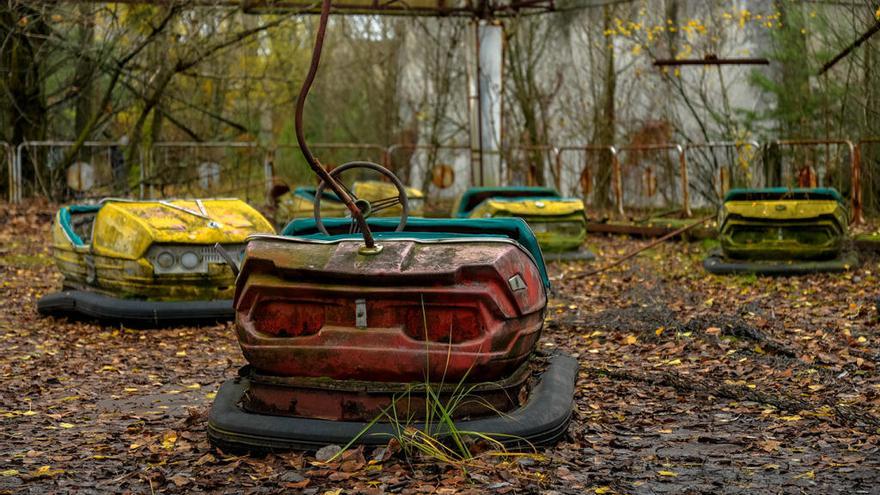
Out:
{"x": 178, "y": 169}
{"x": 654, "y": 177}
{"x": 625, "y": 179}
{"x": 716, "y": 167}
{"x": 288, "y": 164}
{"x": 97, "y": 168}
{"x": 591, "y": 173}
{"x": 442, "y": 172}
{"x": 816, "y": 162}
{"x": 525, "y": 165}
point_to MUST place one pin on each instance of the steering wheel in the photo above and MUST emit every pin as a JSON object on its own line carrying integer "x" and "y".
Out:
{"x": 366, "y": 207}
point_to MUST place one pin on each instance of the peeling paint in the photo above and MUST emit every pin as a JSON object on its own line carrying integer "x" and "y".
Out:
{"x": 123, "y": 232}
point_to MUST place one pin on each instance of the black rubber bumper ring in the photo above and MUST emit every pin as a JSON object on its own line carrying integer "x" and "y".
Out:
{"x": 543, "y": 420}
{"x": 134, "y": 312}
{"x": 716, "y": 263}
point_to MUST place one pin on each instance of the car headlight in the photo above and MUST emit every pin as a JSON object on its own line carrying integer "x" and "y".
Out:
{"x": 168, "y": 259}
{"x": 165, "y": 259}
{"x": 190, "y": 260}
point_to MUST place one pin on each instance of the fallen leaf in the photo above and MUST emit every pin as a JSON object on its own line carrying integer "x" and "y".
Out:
{"x": 169, "y": 439}
{"x": 769, "y": 445}
{"x": 45, "y": 472}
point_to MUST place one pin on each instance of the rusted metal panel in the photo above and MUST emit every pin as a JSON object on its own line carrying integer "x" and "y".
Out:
{"x": 357, "y": 400}
{"x": 432, "y": 308}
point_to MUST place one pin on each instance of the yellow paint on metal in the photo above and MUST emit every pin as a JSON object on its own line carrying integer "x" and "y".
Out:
{"x": 559, "y": 224}
{"x": 112, "y": 260}
{"x": 538, "y": 207}
{"x": 374, "y": 190}
{"x": 782, "y": 229}
{"x": 783, "y": 209}
{"x": 292, "y": 206}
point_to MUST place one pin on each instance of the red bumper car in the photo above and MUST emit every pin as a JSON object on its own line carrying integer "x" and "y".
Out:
{"x": 334, "y": 337}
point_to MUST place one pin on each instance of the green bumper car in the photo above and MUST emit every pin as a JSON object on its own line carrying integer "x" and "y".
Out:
{"x": 782, "y": 231}
{"x": 558, "y": 223}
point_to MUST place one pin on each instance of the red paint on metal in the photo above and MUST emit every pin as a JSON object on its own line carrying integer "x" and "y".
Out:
{"x": 353, "y": 400}
{"x": 478, "y": 327}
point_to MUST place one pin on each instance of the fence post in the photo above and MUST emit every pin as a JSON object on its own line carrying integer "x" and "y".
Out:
{"x": 685, "y": 184}
{"x": 10, "y": 168}
{"x": 269, "y": 172}
{"x": 618, "y": 180}
{"x": 856, "y": 153}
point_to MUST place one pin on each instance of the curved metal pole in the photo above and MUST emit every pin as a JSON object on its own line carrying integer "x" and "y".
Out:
{"x": 300, "y": 136}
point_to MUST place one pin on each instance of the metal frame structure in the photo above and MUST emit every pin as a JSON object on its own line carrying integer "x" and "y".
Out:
{"x": 682, "y": 164}
{"x": 615, "y": 170}
{"x": 723, "y": 145}
{"x": 482, "y": 9}
{"x": 530, "y": 172}
{"x": 16, "y": 181}
{"x": 248, "y": 145}
{"x": 389, "y": 153}
{"x": 710, "y": 60}
{"x": 14, "y": 160}
{"x": 855, "y": 167}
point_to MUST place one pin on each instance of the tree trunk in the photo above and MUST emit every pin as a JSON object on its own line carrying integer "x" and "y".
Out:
{"x": 793, "y": 100}
{"x": 23, "y": 30}
{"x": 83, "y": 74}
{"x": 871, "y": 151}
{"x": 606, "y": 120}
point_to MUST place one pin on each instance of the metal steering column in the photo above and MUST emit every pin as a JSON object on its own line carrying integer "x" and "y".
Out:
{"x": 313, "y": 162}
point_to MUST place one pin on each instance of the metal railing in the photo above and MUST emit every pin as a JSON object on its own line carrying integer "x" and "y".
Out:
{"x": 426, "y": 166}
{"x": 585, "y": 175}
{"x": 854, "y": 164}
{"x": 246, "y": 167}
{"x": 682, "y": 168}
{"x": 171, "y": 165}
{"x": 511, "y": 164}
{"x": 722, "y": 176}
{"x": 45, "y": 167}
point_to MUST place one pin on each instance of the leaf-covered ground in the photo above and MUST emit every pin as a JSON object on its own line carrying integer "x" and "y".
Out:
{"x": 689, "y": 383}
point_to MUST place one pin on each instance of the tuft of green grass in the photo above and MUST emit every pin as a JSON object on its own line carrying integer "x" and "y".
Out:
{"x": 440, "y": 440}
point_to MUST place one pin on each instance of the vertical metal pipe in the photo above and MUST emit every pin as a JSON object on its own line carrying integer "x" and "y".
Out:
{"x": 685, "y": 185}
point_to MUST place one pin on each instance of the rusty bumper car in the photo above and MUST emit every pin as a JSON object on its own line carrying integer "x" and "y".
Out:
{"x": 782, "y": 231}
{"x": 334, "y": 335}
{"x": 352, "y": 327}
{"x": 149, "y": 263}
{"x": 558, "y": 223}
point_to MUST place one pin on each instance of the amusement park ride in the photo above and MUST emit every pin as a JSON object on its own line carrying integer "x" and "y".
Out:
{"x": 340, "y": 318}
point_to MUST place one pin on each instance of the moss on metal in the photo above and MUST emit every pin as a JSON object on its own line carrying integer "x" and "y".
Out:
{"x": 559, "y": 224}
{"x": 804, "y": 229}
{"x": 112, "y": 261}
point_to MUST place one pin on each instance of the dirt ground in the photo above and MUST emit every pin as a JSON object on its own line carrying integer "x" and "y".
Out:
{"x": 689, "y": 383}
